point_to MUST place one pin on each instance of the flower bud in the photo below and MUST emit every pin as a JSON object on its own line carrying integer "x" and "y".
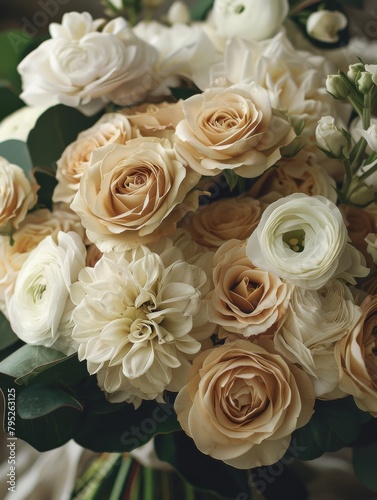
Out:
{"x": 372, "y": 69}
{"x": 360, "y": 194}
{"x": 178, "y": 13}
{"x": 370, "y": 136}
{"x": 337, "y": 87}
{"x": 365, "y": 82}
{"x": 354, "y": 71}
{"x": 371, "y": 241}
{"x": 251, "y": 19}
{"x": 324, "y": 25}
{"x": 332, "y": 140}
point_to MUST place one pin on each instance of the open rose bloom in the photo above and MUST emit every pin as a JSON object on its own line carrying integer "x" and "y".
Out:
{"x": 190, "y": 255}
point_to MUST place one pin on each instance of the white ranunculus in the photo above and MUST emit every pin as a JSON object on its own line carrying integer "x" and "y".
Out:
{"x": 304, "y": 240}
{"x": 133, "y": 321}
{"x": 324, "y": 25}
{"x": 40, "y": 309}
{"x": 250, "y": 19}
{"x": 84, "y": 68}
{"x": 314, "y": 322}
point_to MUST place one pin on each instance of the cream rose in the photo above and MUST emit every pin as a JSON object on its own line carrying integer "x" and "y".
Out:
{"x": 133, "y": 319}
{"x": 301, "y": 174}
{"x": 111, "y": 128}
{"x": 40, "y": 309}
{"x": 314, "y": 322}
{"x": 134, "y": 193}
{"x": 245, "y": 300}
{"x": 356, "y": 356}
{"x": 82, "y": 67}
{"x": 223, "y": 220}
{"x": 17, "y": 195}
{"x": 304, "y": 240}
{"x": 242, "y": 403}
{"x": 231, "y": 128}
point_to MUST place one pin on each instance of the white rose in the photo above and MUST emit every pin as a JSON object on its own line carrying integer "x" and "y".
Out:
{"x": 83, "y": 68}
{"x": 250, "y": 19}
{"x": 324, "y": 25}
{"x": 314, "y": 322}
{"x": 183, "y": 51}
{"x": 40, "y": 309}
{"x": 304, "y": 240}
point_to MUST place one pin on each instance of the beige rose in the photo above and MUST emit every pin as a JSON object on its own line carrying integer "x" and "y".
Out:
{"x": 223, "y": 220}
{"x": 17, "y": 195}
{"x": 110, "y": 128}
{"x": 242, "y": 403}
{"x": 301, "y": 174}
{"x": 356, "y": 357}
{"x": 231, "y": 128}
{"x": 245, "y": 300}
{"x": 155, "y": 120}
{"x": 134, "y": 193}
{"x": 36, "y": 226}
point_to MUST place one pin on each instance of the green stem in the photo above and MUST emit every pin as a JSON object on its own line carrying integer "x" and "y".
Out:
{"x": 357, "y": 156}
{"x": 301, "y": 5}
{"x": 149, "y": 483}
{"x": 367, "y": 110}
{"x": 348, "y": 175}
{"x": 117, "y": 490}
{"x": 367, "y": 174}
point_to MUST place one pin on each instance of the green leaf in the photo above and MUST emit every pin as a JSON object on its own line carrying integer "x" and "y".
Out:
{"x": 27, "y": 362}
{"x": 9, "y": 57}
{"x": 38, "y": 400}
{"x": 55, "y": 129}
{"x": 47, "y": 181}
{"x": 9, "y": 102}
{"x": 200, "y": 9}
{"x": 364, "y": 463}
{"x": 184, "y": 92}
{"x": 7, "y": 336}
{"x": 17, "y": 152}
{"x": 125, "y": 429}
{"x": 334, "y": 425}
{"x": 208, "y": 474}
{"x": 50, "y": 431}
{"x": 231, "y": 179}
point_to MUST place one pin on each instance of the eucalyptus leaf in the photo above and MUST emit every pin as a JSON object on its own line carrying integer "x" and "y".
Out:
{"x": 127, "y": 428}
{"x": 36, "y": 401}
{"x": 208, "y": 474}
{"x": 9, "y": 101}
{"x": 364, "y": 463}
{"x": 7, "y": 336}
{"x": 54, "y": 130}
{"x": 200, "y": 9}
{"x": 17, "y": 152}
{"x": 25, "y": 363}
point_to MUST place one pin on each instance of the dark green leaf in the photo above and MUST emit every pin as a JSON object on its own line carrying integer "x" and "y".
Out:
{"x": 10, "y": 48}
{"x": 55, "y": 129}
{"x": 17, "y": 152}
{"x": 334, "y": 424}
{"x": 38, "y": 400}
{"x": 126, "y": 429}
{"x": 231, "y": 178}
{"x": 208, "y": 474}
{"x": 50, "y": 431}
{"x": 47, "y": 181}
{"x": 200, "y": 9}
{"x": 9, "y": 102}
{"x": 7, "y": 336}
{"x": 25, "y": 363}
{"x": 364, "y": 463}
{"x": 184, "y": 92}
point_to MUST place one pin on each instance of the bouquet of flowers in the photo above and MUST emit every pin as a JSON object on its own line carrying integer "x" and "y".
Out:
{"x": 188, "y": 241}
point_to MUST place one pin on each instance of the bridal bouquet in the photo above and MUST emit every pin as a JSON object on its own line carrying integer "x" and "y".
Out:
{"x": 189, "y": 238}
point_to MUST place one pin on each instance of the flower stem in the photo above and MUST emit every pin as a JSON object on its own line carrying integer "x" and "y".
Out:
{"x": 117, "y": 489}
